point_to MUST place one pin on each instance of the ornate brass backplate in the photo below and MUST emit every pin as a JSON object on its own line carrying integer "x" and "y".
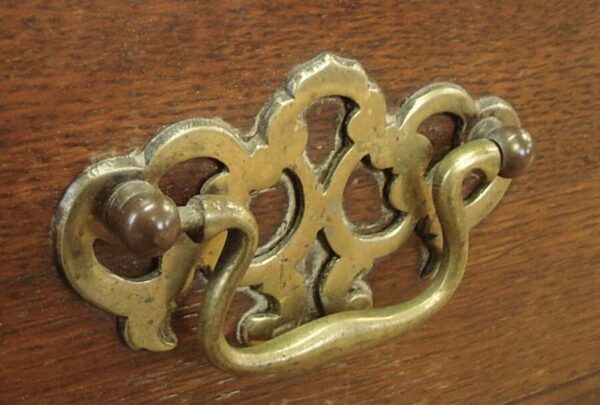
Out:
{"x": 288, "y": 291}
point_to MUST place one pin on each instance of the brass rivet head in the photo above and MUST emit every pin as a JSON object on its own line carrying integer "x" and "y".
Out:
{"x": 516, "y": 147}
{"x": 144, "y": 219}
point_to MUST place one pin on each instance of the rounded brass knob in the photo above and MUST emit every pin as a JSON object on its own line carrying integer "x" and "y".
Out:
{"x": 516, "y": 147}
{"x": 146, "y": 221}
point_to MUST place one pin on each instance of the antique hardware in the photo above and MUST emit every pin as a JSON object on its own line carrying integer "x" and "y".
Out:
{"x": 118, "y": 200}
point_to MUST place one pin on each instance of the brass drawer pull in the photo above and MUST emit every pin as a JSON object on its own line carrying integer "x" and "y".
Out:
{"x": 118, "y": 200}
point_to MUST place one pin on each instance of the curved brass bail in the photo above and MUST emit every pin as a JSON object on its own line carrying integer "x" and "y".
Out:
{"x": 340, "y": 333}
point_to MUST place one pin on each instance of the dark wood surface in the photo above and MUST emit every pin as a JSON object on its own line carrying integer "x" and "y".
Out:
{"x": 79, "y": 82}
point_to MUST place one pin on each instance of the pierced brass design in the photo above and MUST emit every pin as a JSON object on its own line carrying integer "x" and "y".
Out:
{"x": 315, "y": 314}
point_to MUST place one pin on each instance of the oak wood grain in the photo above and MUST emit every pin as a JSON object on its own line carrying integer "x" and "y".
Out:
{"x": 80, "y": 81}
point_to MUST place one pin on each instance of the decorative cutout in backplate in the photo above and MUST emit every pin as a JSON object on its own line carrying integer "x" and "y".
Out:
{"x": 298, "y": 289}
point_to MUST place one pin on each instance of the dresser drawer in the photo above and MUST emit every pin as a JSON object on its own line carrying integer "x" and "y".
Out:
{"x": 83, "y": 82}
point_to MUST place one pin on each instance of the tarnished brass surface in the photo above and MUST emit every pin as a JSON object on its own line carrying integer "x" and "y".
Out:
{"x": 323, "y": 312}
